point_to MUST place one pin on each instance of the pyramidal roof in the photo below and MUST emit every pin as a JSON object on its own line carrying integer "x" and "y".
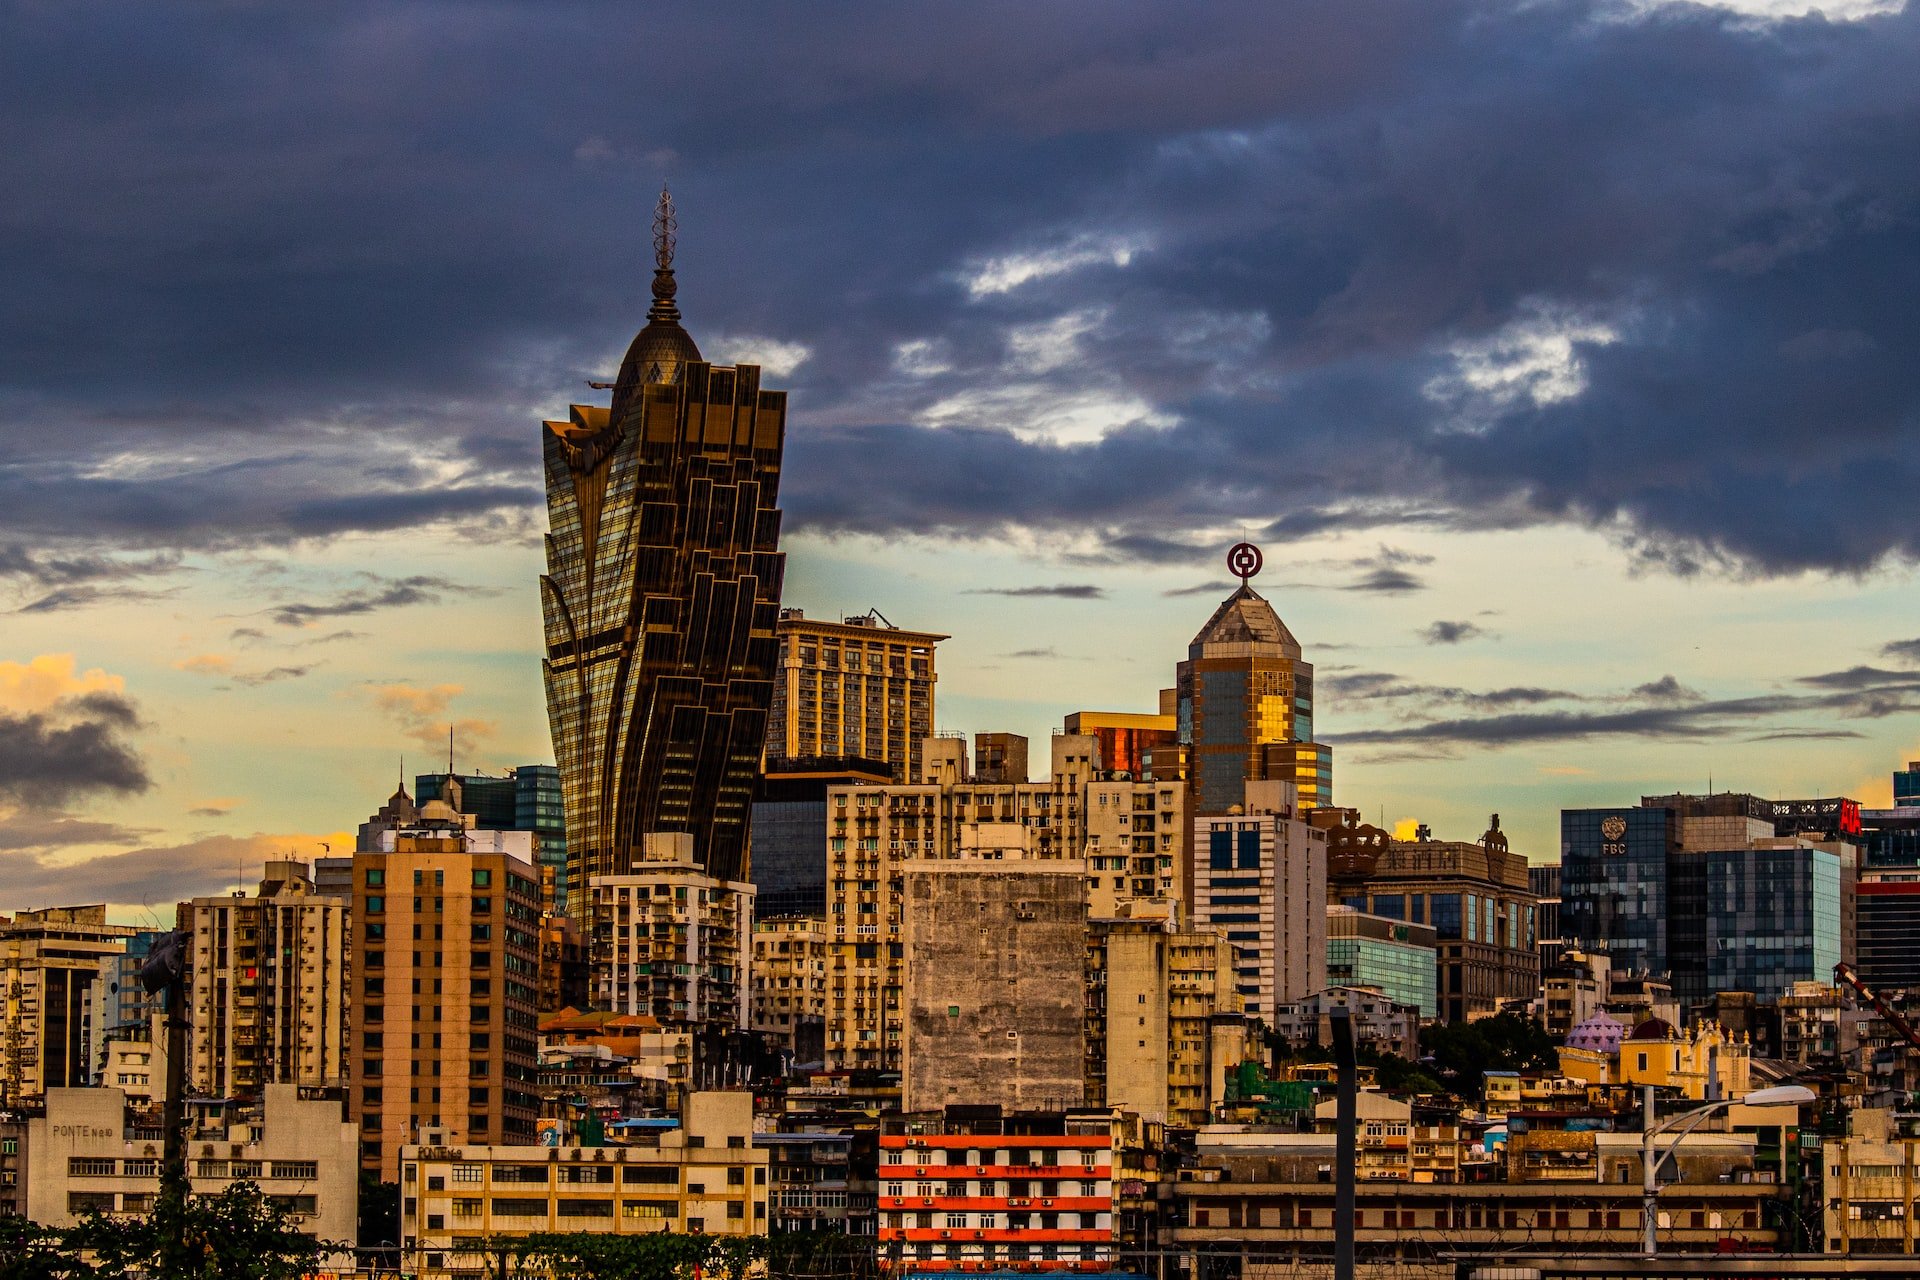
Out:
{"x": 1245, "y": 617}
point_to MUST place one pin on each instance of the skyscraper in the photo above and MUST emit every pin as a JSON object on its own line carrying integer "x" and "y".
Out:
{"x": 1246, "y": 705}
{"x": 661, "y": 597}
{"x": 859, "y": 687}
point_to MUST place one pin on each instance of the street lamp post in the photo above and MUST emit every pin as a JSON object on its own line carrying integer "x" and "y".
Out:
{"x": 1687, "y": 1120}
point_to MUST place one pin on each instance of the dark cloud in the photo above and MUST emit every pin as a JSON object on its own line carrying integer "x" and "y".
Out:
{"x": 1222, "y": 589}
{"x": 1443, "y": 632}
{"x": 1032, "y": 653}
{"x": 63, "y": 599}
{"x": 1666, "y": 689}
{"x": 52, "y": 829}
{"x": 272, "y": 674}
{"x": 55, "y": 570}
{"x": 1806, "y": 735}
{"x": 287, "y": 273}
{"x": 73, "y": 751}
{"x": 1863, "y": 678}
{"x": 1390, "y": 572}
{"x": 209, "y": 811}
{"x": 1062, "y": 591}
{"x": 1907, "y": 651}
{"x": 385, "y": 594}
{"x": 144, "y": 875}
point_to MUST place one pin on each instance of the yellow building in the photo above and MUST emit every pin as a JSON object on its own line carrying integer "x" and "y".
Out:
{"x": 1165, "y": 1025}
{"x": 860, "y": 687}
{"x": 1872, "y": 1179}
{"x": 49, "y": 962}
{"x": 790, "y": 981}
{"x": 1134, "y": 831}
{"x": 1657, "y": 1053}
{"x": 706, "y": 1177}
{"x": 872, "y": 832}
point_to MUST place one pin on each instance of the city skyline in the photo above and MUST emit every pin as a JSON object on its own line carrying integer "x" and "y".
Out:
{"x": 1608, "y": 503}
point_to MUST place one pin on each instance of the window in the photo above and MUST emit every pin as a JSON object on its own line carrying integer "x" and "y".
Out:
{"x": 84, "y": 1167}
{"x": 375, "y": 904}
{"x": 482, "y": 878}
{"x": 307, "y": 1169}
{"x": 376, "y": 877}
{"x": 466, "y": 1173}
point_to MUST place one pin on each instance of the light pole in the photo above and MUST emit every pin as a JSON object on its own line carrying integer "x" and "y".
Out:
{"x": 1650, "y": 1164}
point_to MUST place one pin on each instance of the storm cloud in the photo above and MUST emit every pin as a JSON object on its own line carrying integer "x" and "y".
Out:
{"x": 284, "y": 274}
{"x": 75, "y": 750}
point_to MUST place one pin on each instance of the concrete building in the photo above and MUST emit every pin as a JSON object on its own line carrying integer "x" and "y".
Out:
{"x": 445, "y": 975}
{"x": 50, "y": 964}
{"x": 88, "y": 1154}
{"x": 996, "y": 1192}
{"x": 1166, "y": 1024}
{"x": 1871, "y": 1183}
{"x": 1000, "y": 758}
{"x": 267, "y": 987}
{"x": 1392, "y": 955}
{"x": 873, "y": 831}
{"x": 134, "y": 1061}
{"x": 704, "y": 1176}
{"x": 994, "y": 976}
{"x": 1572, "y": 990}
{"x": 790, "y": 984}
{"x": 1701, "y": 1062}
{"x": 1260, "y": 878}
{"x": 814, "y": 1168}
{"x": 671, "y": 940}
{"x": 1135, "y": 830}
{"x": 1376, "y": 1018}
{"x": 858, "y": 687}
{"x": 121, "y": 1005}
{"x": 1475, "y": 897}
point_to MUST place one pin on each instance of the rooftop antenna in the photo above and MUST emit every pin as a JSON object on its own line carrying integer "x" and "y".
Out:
{"x": 449, "y": 748}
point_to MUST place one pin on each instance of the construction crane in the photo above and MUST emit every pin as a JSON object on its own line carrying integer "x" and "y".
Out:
{"x": 1844, "y": 974}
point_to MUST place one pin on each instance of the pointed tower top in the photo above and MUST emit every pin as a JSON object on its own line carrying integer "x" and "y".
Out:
{"x": 664, "y": 227}
{"x": 662, "y": 349}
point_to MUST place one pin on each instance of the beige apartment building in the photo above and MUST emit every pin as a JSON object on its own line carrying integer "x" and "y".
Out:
{"x": 1165, "y": 1024}
{"x": 859, "y": 687}
{"x": 1134, "y": 839}
{"x": 446, "y": 961}
{"x": 670, "y": 940}
{"x": 88, "y": 1154}
{"x": 705, "y": 1177}
{"x": 1872, "y": 1185}
{"x": 49, "y": 963}
{"x": 267, "y": 987}
{"x": 790, "y": 981}
{"x": 872, "y": 832}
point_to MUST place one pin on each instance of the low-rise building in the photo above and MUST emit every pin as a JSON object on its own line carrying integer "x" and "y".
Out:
{"x": 704, "y": 1176}
{"x": 1699, "y": 1063}
{"x": 981, "y": 1190}
{"x": 90, "y": 1154}
{"x": 1377, "y": 1021}
{"x": 1872, "y": 1180}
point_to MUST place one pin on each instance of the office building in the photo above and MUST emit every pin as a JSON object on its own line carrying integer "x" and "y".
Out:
{"x": 267, "y": 988}
{"x": 121, "y": 1005}
{"x": 50, "y": 964}
{"x": 87, "y": 1155}
{"x": 1906, "y": 786}
{"x": 858, "y": 687}
{"x": 995, "y": 964}
{"x": 671, "y": 941}
{"x": 445, "y": 974}
{"x": 525, "y": 798}
{"x": 1887, "y": 924}
{"x": 1260, "y": 878}
{"x": 1128, "y": 739}
{"x": 1393, "y": 956}
{"x": 994, "y": 1191}
{"x": 1713, "y": 893}
{"x": 872, "y": 832}
{"x": 1166, "y": 1025}
{"x": 1543, "y": 880}
{"x": 661, "y": 598}
{"x": 790, "y": 830}
{"x": 1246, "y": 709}
{"x": 704, "y": 1176}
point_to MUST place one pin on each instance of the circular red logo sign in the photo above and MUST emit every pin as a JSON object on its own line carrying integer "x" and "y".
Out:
{"x": 1244, "y": 560}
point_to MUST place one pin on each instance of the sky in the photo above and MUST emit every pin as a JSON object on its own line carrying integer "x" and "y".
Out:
{"x": 1559, "y": 354}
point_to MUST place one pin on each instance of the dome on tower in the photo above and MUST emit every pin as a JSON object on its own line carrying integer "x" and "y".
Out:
{"x": 1652, "y": 1029}
{"x": 661, "y": 351}
{"x": 1600, "y": 1033}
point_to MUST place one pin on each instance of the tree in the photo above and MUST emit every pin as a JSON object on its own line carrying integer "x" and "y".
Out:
{"x": 29, "y": 1251}
{"x": 585, "y": 1255}
{"x": 237, "y": 1234}
{"x": 1462, "y": 1052}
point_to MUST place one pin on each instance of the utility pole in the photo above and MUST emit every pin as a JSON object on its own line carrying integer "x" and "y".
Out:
{"x": 166, "y": 971}
{"x": 1346, "y": 1122}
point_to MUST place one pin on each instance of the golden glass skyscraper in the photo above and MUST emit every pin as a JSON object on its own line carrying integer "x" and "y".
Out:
{"x": 661, "y": 598}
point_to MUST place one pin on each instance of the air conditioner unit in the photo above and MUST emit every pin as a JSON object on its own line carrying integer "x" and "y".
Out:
{"x": 946, "y": 1235}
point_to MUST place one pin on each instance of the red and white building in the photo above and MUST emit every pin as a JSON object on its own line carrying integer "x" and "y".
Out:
{"x": 1021, "y": 1192}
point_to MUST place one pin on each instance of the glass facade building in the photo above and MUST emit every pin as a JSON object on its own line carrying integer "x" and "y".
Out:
{"x": 1613, "y": 883}
{"x": 528, "y": 798}
{"x": 1373, "y": 951}
{"x": 1773, "y": 918}
{"x": 661, "y": 599}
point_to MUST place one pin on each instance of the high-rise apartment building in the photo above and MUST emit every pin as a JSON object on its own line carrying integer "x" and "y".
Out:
{"x": 49, "y": 964}
{"x": 661, "y": 598}
{"x": 1135, "y": 832}
{"x": 671, "y": 941}
{"x": 859, "y": 687}
{"x": 1260, "y": 879}
{"x": 790, "y": 983}
{"x": 1246, "y": 708}
{"x": 445, "y": 968}
{"x": 1166, "y": 1025}
{"x": 267, "y": 987}
{"x": 1728, "y": 892}
{"x": 873, "y": 831}
{"x": 1475, "y": 896}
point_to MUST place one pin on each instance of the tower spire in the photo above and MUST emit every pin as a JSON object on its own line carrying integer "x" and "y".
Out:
{"x": 664, "y": 227}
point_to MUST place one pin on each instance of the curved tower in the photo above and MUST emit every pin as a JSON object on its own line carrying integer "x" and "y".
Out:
{"x": 661, "y": 597}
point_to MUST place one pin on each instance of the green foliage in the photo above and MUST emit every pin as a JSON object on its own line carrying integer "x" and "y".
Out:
{"x": 667, "y": 1255}
{"x": 29, "y": 1251}
{"x": 1508, "y": 1042}
{"x": 237, "y": 1234}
